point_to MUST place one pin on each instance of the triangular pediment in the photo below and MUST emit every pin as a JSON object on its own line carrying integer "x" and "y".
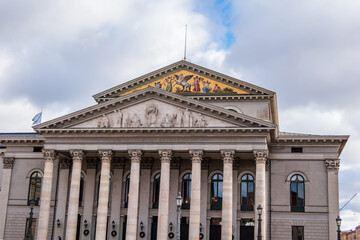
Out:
{"x": 153, "y": 108}
{"x": 185, "y": 78}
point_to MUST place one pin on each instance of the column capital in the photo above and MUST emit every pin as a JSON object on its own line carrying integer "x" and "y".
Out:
{"x": 105, "y": 155}
{"x": 228, "y": 155}
{"x": 77, "y": 155}
{"x": 8, "y": 162}
{"x": 135, "y": 155}
{"x": 332, "y": 164}
{"x": 260, "y": 156}
{"x": 165, "y": 155}
{"x": 196, "y": 155}
{"x": 49, "y": 154}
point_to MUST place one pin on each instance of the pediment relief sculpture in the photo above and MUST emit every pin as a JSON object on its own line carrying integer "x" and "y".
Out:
{"x": 153, "y": 114}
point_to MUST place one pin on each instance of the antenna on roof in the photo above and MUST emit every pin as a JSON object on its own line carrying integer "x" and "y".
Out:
{"x": 185, "y": 42}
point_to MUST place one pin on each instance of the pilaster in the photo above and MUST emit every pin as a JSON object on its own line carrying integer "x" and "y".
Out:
{"x": 8, "y": 163}
{"x": 116, "y": 192}
{"x": 332, "y": 167}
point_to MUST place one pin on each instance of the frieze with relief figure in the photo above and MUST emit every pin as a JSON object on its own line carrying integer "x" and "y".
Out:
{"x": 153, "y": 114}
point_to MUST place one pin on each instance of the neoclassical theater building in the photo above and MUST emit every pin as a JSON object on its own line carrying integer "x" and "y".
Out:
{"x": 113, "y": 170}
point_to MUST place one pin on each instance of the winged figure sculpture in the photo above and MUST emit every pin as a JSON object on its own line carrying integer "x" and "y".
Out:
{"x": 183, "y": 81}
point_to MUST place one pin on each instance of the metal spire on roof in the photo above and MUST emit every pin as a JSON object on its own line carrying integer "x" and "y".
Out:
{"x": 185, "y": 42}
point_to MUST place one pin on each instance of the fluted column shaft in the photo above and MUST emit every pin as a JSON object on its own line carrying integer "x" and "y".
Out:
{"x": 163, "y": 212}
{"x": 45, "y": 198}
{"x": 260, "y": 158}
{"x": 132, "y": 217}
{"x": 101, "y": 219}
{"x": 227, "y": 204}
{"x": 195, "y": 203}
{"x": 71, "y": 226}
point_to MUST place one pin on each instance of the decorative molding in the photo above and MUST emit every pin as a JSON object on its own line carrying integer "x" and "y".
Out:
{"x": 8, "y": 162}
{"x": 236, "y": 164}
{"x": 165, "y": 155}
{"x": 205, "y": 164}
{"x": 49, "y": 154}
{"x": 135, "y": 155}
{"x": 332, "y": 164}
{"x": 146, "y": 163}
{"x": 105, "y": 155}
{"x": 118, "y": 163}
{"x": 228, "y": 155}
{"x": 65, "y": 163}
{"x": 175, "y": 163}
{"x": 92, "y": 163}
{"x": 77, "y": 155}
{"x": 260, "y": 156}
{"x": 196, "y": 155}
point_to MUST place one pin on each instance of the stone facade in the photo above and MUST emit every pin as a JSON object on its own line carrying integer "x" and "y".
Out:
{"x": 114, "y": 169}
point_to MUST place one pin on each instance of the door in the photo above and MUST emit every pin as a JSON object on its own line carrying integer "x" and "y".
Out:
{"x": 124, "y": 228}
{"x": 184, "y": 228}
{"x": 154, "y": 227}
{"x": 246, "y": 232}
{"x": 215, "y": 229}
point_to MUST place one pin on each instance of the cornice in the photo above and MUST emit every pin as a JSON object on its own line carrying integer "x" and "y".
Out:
{"x": 181, "y": 65}
{"x": 231, "y": 97}
{"x": 154, "y": 130}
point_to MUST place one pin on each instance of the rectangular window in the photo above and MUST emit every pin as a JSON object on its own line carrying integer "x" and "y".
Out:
{"x": 296, "y": 149}
{"x": 33, "y": 228}
{"x": 297, "y": 232}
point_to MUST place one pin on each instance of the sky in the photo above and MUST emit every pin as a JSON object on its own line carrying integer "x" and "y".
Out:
{"x": 54, "y": 55}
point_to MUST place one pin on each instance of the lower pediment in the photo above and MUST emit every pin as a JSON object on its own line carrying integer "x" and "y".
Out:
{"x": 153, "y": 114}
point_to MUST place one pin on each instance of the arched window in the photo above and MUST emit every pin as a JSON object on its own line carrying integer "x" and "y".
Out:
{"x": 156, "y": 190}
{"x": 297, "y": 193}
{"x": 247, "y": 192}
{"x": 81, "y": 192}
{"x": 186, "y": 190}
{"x": 216, "y": 191}
{"x": 34, "y": 188}
{"x": 127, "y": 189}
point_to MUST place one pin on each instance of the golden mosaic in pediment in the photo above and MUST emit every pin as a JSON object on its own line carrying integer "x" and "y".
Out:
{"x": 185, "y": 82}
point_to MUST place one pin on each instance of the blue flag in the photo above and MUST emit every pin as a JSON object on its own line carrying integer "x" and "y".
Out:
{"x": 37, "y": 118}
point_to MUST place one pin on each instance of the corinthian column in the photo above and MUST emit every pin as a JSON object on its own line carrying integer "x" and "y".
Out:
{"x": 163, "y": 212}
{"x": 195, "y": 204}
{"x": 260, "y": 157}
{"x": 101, "y": 220}
{"x": 49, "y": 156}
{"x": 332, "y": 166}
{"x": 227, "y": 204}
{"x": 77, "y": 157}
{"x": 133, "y": 207}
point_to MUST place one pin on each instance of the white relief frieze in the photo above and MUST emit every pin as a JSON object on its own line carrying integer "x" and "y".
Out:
{"x": 153, "y": 114}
